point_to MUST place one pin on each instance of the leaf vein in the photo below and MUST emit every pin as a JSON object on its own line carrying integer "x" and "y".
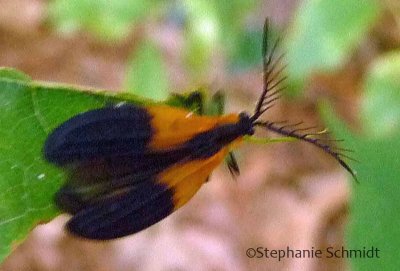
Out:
{"x": 39, "y": 117}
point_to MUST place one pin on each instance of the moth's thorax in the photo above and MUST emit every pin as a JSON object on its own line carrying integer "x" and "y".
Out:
{"x": 176, "y": 126}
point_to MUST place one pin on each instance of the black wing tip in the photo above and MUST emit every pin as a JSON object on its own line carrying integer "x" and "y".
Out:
{"x": 128, "y": 214}
{"x": 74, "y": 229}
{"x": 79, "y": 227}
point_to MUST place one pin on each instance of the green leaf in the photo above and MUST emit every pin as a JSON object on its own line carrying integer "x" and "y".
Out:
{"x": 374, "y": 205}
{"x": 324, "y": 33}
{"x": 146, "y": 75}
{"x": 28, "y": 112}
{"x": 13, "y": 74}
{"x": 381, "y": 101}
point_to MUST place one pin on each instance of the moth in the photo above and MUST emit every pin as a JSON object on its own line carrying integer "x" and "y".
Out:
{"x": 130, "y": 165}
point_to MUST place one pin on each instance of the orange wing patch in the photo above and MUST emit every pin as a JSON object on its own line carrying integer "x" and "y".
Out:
{"x": 174, "y": 126}
{"x": 187, "y": 178}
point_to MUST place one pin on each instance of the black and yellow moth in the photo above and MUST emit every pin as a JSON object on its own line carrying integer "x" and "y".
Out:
{"x": 129, "y": 166}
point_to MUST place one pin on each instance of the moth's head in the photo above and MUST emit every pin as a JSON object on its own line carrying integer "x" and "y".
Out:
{"x": 246, "y": 124}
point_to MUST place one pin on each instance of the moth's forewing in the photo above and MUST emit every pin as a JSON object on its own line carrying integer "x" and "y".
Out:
{"x": 99, "y": 133}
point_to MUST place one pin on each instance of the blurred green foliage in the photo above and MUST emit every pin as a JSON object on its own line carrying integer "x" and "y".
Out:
{"x": 201, "y": 33}
{"x": 107, "y": 19}
{"x": 324, "y": 34}
{"x": 374, "y": 208}
{"x": 207, "y": 26}
{"x": 146, "y": 73}
{"x": 381, "y": 98}
{"x": 322, "y": 38}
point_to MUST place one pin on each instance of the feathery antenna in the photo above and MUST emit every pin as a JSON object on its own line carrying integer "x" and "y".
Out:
{"x": 273, "y": 80}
